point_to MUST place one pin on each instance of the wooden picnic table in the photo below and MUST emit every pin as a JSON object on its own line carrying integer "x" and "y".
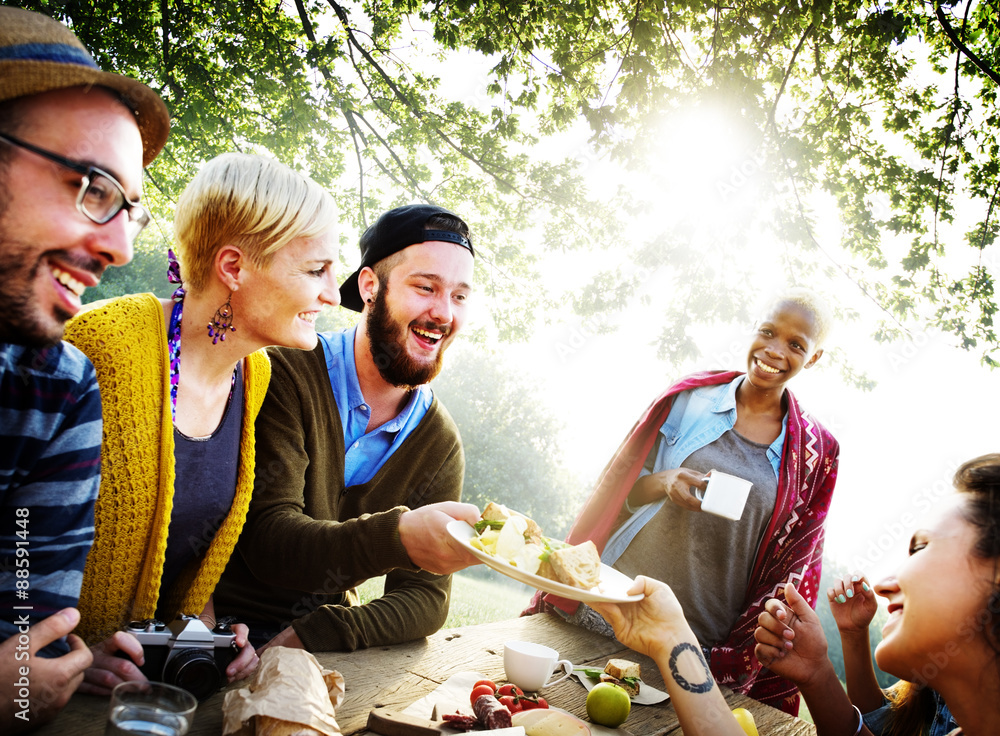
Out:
{"x": 397, "y": 676}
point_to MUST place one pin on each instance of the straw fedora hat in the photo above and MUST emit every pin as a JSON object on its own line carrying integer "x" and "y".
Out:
{"x": 39, "y": 54}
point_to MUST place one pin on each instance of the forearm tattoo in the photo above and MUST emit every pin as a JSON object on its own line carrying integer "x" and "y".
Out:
{"x": 699, "y": 687}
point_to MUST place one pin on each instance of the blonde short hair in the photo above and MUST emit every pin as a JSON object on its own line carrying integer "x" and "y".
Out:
{"x": 809, "y": 301}
{"x": 252, "y": 202}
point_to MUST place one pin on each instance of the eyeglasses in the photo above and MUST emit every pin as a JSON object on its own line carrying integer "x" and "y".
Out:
{"x": 101, "y": 197}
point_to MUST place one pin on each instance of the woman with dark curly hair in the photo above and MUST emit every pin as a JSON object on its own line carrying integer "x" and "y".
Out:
{"x": 943, "y": 632}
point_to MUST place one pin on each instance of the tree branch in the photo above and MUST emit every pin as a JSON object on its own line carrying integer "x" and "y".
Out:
{"x": 352, "y": 39}
{"x": 986, "y": 223}
{"x": 962, "y": 48}
{"x": 628, "y": 48}
{"x": 306, "y": 23}
{"x": 168, "y": 65}
{"x": 953, "y": 121}
{"x": 165, "y": 31}
{"x": 800, "y": 206}
{"x": 788, "y": 72}
{"x": 352, "y": 126}
{"x": 416, "y": 111}
{"x": 413, "y": 183}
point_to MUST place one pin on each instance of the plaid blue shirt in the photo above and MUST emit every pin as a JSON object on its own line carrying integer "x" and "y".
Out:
{"x": 50, "y": 463}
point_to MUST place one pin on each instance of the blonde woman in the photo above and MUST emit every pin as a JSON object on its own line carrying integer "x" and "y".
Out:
{"x": 182, "y": 381}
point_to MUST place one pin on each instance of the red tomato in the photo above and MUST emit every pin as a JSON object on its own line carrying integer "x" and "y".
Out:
{"x": 493, "y": 685}
{"x": 511, "y": 703}
{"x": 478, "y": 691}
{"x": 510, "y": 689}
{"x": 532, "y": 703}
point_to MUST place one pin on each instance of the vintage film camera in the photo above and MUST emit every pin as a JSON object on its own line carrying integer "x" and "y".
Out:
{"x": 186, "y": 653}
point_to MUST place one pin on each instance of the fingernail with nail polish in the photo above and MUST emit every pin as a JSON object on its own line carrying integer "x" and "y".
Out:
{"x": 840, "y": 598}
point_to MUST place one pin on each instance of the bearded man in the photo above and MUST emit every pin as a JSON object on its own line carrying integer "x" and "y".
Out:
{"x": 359, "y": 466}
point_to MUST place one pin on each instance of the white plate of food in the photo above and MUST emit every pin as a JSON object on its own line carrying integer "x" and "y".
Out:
{"x": 611, "y": 586}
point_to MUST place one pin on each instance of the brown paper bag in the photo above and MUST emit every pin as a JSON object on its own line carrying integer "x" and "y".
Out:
{"x": 289, "y": 695}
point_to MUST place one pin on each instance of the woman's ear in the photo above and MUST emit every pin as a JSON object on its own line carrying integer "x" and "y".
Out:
{"x": 230, "y": 266}
{"x": 812, "y": 361}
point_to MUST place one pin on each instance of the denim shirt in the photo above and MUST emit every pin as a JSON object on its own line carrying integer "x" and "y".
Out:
{"x": 943, "y": 724}
{"x": 366, "y": 452}
{"x": 697, "y": 418}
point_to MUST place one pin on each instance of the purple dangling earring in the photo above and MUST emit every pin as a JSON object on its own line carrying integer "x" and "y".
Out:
{"x": 222, "y": 321}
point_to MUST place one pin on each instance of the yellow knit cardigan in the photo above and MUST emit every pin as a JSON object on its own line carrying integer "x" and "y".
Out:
{"x": 126, "y": 339}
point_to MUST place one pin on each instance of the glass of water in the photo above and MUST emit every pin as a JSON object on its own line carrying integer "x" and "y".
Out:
{"x": 150, "y": 709}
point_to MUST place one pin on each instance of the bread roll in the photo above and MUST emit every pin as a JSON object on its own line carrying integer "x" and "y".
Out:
{"x": 579, "y": 566}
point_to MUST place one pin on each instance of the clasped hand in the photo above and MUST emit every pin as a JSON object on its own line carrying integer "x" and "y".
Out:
{"x": 790, "y": 639}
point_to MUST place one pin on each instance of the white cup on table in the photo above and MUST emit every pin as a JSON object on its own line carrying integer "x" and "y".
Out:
{"x": 530, "y": 665}
{"x": 726, "y": 495}
{"x": 150, "y": 708}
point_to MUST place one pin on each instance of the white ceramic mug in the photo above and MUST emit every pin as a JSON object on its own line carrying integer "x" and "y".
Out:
{"x": 529, "y": 665}
{"x": 726, "y": 495}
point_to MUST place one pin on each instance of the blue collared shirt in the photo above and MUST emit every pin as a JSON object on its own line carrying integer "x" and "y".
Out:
{"x": 366, "y": 451}
{"x": 697, "y": 418}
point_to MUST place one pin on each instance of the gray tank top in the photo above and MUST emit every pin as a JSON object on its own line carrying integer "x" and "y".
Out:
{"x": 204, "y": 487}
{"x": 707, "y": 559}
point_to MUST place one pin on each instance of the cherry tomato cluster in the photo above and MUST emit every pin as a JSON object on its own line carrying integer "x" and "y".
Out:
{"x": 510, "y": 696}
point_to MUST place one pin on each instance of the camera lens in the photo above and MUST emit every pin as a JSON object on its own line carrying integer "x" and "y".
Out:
{"x": 195, "y": 671}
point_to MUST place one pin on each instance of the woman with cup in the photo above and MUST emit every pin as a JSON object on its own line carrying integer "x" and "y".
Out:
{"x": 943, "y": 632}
{"x": 181, "y": 383}
{"x": 646, "y": 518}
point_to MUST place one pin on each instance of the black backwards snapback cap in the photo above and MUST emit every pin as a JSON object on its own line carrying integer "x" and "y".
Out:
{"x": 396, "y": 229}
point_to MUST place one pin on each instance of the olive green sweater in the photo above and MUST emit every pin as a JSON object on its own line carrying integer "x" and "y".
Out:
{"x": 308, "y": 540}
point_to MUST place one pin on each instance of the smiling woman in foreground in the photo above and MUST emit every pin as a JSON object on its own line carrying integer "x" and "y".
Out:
{"x": 943, "y": 630}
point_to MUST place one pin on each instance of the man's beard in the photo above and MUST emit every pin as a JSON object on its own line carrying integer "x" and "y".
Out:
{"x": 21, "y": 321}
{"x": 387, "y": 342}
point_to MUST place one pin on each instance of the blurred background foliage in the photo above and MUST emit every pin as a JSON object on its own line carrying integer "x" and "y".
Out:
{"x": 696, "y": 131}
{"x": 887, "y": 109}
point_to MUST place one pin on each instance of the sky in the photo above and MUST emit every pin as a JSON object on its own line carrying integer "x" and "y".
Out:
{"x": 933, "y": 406}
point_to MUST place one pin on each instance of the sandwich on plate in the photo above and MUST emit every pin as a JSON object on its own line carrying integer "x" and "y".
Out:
{"x": 519, "y": 541}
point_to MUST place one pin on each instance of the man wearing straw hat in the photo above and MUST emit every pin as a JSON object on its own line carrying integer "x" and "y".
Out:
{"x": 73, "y": 143}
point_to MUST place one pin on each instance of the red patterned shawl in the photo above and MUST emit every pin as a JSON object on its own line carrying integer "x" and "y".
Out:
{"x": 793, "y": 541}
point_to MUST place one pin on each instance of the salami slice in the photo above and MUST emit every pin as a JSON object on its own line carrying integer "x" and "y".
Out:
{"x": 459, "y": 721}
{"x": 491, "y": 713}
